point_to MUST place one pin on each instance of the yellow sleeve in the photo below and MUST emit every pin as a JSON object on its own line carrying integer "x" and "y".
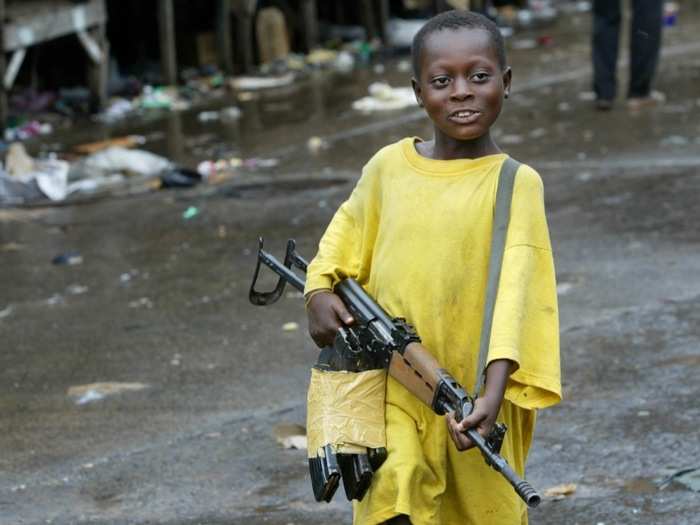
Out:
{"x": 526, "y": 318}
{"x": 345, "y": 248}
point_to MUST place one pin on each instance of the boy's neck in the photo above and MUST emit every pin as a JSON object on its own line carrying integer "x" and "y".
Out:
{"x": 441, "y": 149}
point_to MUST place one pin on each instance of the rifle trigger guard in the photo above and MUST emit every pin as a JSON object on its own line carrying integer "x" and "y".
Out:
{"x": 403, "y": 334}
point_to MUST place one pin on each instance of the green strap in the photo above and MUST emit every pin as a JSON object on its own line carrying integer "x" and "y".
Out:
{"x": 504, "y": 195}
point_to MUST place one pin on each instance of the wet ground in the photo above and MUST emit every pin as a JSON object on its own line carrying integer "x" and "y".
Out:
{"x": 162, "y": 301}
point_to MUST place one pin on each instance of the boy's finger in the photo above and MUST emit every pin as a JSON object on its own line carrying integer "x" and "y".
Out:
{"x": 343, "y": 313}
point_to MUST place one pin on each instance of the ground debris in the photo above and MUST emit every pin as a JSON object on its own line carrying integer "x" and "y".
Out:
{"x": 688, "y": 477}
{"x": 290, "y": 435}
{"x": 560, "y": 491}
{"x": 83, "y": 394}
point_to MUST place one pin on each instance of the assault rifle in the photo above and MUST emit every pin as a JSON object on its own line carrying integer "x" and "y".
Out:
{"x": 374, "y": 341}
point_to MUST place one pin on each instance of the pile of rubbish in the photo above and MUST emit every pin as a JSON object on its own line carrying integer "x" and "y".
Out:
{"x": 383, "y": 97}
{"x": 113, "y": 166}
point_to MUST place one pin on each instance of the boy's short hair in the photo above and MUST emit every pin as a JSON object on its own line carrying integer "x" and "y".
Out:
{"x": 457, "y": 19}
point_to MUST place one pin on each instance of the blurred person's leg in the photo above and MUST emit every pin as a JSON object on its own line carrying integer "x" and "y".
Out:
{"x": 607, "y": 17}
{"x": 645, "y": 43}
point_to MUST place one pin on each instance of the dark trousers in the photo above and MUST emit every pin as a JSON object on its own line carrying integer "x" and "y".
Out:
{"x": 645, "y": 42}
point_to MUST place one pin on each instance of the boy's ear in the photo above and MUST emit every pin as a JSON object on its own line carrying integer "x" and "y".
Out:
{"x": 507, "y": 78}
{"x": 417, "y": 91}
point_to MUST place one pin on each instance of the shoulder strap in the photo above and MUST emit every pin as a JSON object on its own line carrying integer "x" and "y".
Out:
{"x": 504, "y": 195}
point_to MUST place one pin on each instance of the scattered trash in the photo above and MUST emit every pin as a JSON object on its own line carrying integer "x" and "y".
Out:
{"x": 538, "y": 133}
{"x": 226, "y": 114}
{"x": 290, "y": 436}
{"x": 25, "y": 131}
{"x": 84, "y": 394}
{"x": 68, "y": 259}
{"x": 180, "y": 178}
{"x": 670, "y": 16}
{"x": 250, "y": 83}
{"x": 175, "y": 361}
{"x": 643, "y": 413}
{"x": 675, "y": 140}
{"x": 560, "y": 491}
{"x": 162, "y": 97}
{"x": 294, "y": 294}
{"x": 587, "y": 96}
{"x": 564, "y": 288}
{"x": 11, "y": 247}
{"x": 290, "y": 327}
{"x": 383, "y": 97}
{"x": 129, "y": 141}
{"x": 190, "y": 213}
{"x": 689, "y": 477}
{"x": 564, "y": 106}
{"x": 76, "y": 289}
{"x": 118, "y": 109}
{"x": 18, "y": 163}
{"x": 143, "y": 302}
{"x": 6, "y": 312}
{"x": 55, "y": 299}
{"x": 524, "y": 43}
{"x": 511, "y": 139}
{"x": 545, "y": 41}
{"x": 122, "y": 160}
{"x": 400, "y": 32}
{"x": 344, "y": 62}
{"x": 315, "y": 144}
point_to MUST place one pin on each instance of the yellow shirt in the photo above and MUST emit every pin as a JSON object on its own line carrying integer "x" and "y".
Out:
{"x": 416, "y": 233}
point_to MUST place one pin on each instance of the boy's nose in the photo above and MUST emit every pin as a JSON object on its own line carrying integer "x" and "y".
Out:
{"x": 461, "y": 89}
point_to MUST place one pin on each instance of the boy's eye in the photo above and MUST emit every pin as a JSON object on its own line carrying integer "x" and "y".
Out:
{"x": 480, "y": 77}
{"x": 440, "y": 81}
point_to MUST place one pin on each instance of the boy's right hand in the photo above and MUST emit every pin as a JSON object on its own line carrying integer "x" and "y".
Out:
{"x": 326, "y": 313}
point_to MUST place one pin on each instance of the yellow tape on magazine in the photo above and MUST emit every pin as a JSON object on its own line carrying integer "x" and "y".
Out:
{"x": 345, "y": 410}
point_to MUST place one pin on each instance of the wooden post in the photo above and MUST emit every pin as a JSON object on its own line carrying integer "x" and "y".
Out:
{"x": 367, "y": 16}
{"x": 3, "y": 92}
{"x": 223, "y": 36}
{"x": 309, "y": 17}
{"x": 383, "y": 18}
{"x": 166, "y": 26}
{"x": 98, "y": 73}
{"x": 244, "y": 9}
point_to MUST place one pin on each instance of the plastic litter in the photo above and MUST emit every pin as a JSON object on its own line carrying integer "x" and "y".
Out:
{"x": 230, "y": 113}
{"x": 30, "y": 129}
{"x": 250, "y": 83}
{"x": 560, "y": 491}
{"x": 670, "y": 16}
{"x": 190, "y": 213}
{"x": 71, "y": 258}
{"x": 180, "y": 178}
{"x": 84, "y": 394}
{"x": 383, "y": 97}
{"x": 129, "y": 141}
{"x": 688, "y": 477}
{"x": 6, "y": 312}
{"x": 119, "y": 160}
{"x": 118, "y": 109}
{"x": 315, "y": 144}
{"x": 400, "y": 32}
{"x": 290, "y": 327}
{"x": 290, "y": 436}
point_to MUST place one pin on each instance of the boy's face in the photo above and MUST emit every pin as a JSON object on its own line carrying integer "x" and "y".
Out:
{"x": 461, "y": 84}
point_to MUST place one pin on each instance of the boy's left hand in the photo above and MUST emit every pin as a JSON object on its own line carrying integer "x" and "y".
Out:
{"x": 482, "y": 418}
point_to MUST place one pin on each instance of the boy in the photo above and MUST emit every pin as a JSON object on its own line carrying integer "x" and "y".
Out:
{"x": 416, "y": 233}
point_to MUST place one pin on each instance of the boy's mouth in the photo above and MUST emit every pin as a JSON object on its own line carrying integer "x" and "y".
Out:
{"x": 464, "y": 116}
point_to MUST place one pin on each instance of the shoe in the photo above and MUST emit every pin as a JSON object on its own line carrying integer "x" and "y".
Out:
{"x": 603, "y": 104}
{"x": 654, "y": 98}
